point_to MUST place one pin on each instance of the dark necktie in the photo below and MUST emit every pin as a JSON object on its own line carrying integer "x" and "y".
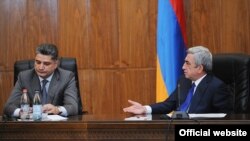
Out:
{"x": 44, "y": 92}
{"x": 185, "y": 105}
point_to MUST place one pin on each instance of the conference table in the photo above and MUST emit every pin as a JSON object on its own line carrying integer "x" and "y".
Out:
{"x": 107, "y": 127}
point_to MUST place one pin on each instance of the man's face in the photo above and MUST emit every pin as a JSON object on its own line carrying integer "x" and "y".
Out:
{"x": 44, "y": 65}
{"x": 191, "y": 70}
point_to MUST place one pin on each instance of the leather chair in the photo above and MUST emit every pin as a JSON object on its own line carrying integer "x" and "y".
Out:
{"x": 234, "y": 70}
{"x": 65, "y": 63}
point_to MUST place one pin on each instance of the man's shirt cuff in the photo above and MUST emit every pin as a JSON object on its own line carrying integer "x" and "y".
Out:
{"x": 148, "y": 109}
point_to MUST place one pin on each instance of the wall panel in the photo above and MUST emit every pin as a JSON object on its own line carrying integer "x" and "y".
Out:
{"x": 74, "y": 30}
{"x": 221, "y": 25}
{"x": 114, "y": 52}
{"x": 137, "y": 22}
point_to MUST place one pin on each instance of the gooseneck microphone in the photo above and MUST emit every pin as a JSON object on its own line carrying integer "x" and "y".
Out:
{"x": 179, "y": 114}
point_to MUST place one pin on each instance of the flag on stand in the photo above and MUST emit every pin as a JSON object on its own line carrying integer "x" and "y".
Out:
{"x": 171, "y": 46}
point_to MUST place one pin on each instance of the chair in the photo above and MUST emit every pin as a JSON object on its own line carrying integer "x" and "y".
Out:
{"x": 65, "y": 63}
{"x": 234, "y": 70}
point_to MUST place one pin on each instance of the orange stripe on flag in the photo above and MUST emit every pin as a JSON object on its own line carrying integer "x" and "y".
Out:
{"x": 160, "y": 85}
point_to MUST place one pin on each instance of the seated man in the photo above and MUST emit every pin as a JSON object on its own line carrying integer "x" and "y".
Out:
{"x": 61, "y": 91}
{"x": 210, "y": 94}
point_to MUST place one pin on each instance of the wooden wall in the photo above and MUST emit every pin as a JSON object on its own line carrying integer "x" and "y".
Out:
{"x": 221, "y": 25}
{"x": 114, "y": 41}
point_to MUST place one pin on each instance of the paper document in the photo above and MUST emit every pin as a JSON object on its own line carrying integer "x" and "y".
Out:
{"x": 46, "y": 118}
{"x": 209, "y": 115}
{"x": 140, "y": 117}
{"x": 56, "y": 117}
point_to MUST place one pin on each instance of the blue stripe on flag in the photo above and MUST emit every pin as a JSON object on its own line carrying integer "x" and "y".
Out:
{"x": 170, "y": 45}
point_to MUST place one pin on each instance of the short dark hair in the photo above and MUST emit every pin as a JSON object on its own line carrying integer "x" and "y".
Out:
{"x": 48, "y": 49}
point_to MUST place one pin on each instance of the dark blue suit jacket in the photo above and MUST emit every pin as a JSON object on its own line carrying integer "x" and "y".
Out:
{"x": 211, "y": 96}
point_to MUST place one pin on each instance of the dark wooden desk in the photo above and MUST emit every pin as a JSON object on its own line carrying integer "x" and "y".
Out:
{"x": 103, "y": 127}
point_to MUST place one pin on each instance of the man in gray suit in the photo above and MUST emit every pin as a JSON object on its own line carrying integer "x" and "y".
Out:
{"x": 60, "y": 88}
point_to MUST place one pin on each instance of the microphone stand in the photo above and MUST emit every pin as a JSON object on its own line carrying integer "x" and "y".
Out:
{"x": 179, "y": 114}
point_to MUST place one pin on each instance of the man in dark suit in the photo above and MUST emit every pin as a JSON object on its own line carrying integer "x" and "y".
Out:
{"x": 210, "y": 95}
{"x": 60, "y": 88}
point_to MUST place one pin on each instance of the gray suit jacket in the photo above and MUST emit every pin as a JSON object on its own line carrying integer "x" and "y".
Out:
{"x": 62, "y": 90}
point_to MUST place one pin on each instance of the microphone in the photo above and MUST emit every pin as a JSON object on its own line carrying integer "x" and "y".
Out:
{"x": 179, "y": 95}
{"x": 179, "y": 114}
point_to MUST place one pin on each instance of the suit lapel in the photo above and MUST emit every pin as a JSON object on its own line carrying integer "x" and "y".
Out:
{"x": 199, "y": 93}
{"x": 35, "y": 83}
{"x": 185, "y": 86}
{"x": 53, "y": 87}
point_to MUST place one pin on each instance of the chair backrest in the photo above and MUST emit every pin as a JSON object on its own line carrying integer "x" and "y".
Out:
{"x": 234, "y": 70}
{"x": 65, "y": 63}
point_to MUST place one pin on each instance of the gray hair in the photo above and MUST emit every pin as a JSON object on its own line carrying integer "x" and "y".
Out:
{"x": 48, "y": 49}
{"x": 202, "y": 56}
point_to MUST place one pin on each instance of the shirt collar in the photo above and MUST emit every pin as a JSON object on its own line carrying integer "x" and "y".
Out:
{"x": 197, "y": 82}
{"x": 48, "y": 78}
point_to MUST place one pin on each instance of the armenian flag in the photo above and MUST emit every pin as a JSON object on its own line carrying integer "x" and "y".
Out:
{"x": 171, "y": 46}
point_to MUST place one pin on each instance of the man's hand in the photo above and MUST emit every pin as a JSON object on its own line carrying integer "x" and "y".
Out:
{"x": 51, "y": 109}
{"x": 135, "y": 108}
